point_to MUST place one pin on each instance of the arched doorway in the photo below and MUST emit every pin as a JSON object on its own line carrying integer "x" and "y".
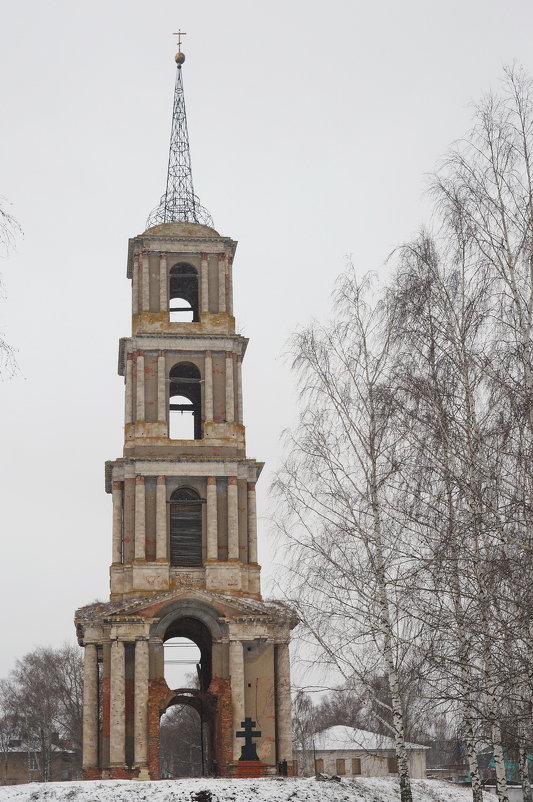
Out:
{"x": 184, "y": 741}
{"x": 188, "y": 714}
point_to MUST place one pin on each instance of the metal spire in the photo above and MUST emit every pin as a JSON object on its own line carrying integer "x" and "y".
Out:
{"x": 179, "y": 203}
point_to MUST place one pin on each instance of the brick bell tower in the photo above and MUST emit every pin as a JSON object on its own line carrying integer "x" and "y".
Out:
{"x": 184, "y": 552}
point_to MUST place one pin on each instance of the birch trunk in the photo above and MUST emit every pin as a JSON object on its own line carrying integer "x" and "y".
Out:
{"x": 388, "y": 652}
{"x": 523, "y": 771}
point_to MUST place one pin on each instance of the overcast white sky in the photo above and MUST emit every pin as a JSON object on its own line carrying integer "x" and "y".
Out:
{"x": 312, "y": 125}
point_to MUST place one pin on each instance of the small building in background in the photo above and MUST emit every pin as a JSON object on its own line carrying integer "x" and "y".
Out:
{"x": 19, "y": 763}
{"x": 350, "y": 752}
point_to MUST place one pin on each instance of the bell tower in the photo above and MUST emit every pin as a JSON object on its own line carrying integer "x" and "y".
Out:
{"x": 184, "y": 542}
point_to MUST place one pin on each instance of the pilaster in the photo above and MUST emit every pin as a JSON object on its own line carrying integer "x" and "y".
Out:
{"x": 117, "y": 522}
{"x": 233, "y": 519}
{"x": 140, "y": 519}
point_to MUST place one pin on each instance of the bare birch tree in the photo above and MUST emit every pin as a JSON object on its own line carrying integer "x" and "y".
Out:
{"x": 332, "y": 491}
{"x": 9, "y": 230}
{"x": 43, "y": 700}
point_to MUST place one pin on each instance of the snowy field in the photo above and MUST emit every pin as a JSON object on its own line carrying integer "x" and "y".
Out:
{"x": 204, "y": 790}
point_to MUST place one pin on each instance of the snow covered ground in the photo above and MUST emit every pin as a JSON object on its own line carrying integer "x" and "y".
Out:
{"x": 207, "y": 790}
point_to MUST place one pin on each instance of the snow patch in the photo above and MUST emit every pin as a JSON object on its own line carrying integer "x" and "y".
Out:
{"x": 368, "y": 789}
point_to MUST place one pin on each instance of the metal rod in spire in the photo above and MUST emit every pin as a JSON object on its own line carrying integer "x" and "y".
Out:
{"x": 179, "y": 203}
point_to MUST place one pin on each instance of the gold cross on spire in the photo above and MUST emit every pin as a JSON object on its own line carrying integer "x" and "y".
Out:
{"x": 179, "y": 34}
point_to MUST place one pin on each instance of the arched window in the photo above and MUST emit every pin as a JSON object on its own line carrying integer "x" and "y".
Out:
{"x": 185, "y": 402}
{"x": 183, "y": 294}
{"x": 185, "y": 528}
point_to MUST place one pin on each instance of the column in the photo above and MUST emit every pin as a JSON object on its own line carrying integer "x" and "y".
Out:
{"x": 145, "y": 282}
{"x": 283, "y": 702}
{"x": 204, "y": 285}
{"x": 140, "y": 518}
{"x": 141, "y": 704}
{"x": 208, "y": 386}
{"x": 117, "y": 522}
{"x": 140, "y": 387}
{"x": 117, "y": 729}
{"x": 90, "y": 706}
{"x": 230, "y": 397}
{"x": 239, "y": 389}
{"x": 135, "y": 286}
{"x": 163, "y": 283}
{"x": 233, "y": 519}
{"x": 161, "y": 388}
{"x": 128, "y": 401}
{"x": 221, "y": 282}
{"x": 230, "y": 285}
{"x": 236, "y": 670}
{"x": 212, "y": 525}
{"x": 161, "y": 519}
{"x": 252, "y": 524}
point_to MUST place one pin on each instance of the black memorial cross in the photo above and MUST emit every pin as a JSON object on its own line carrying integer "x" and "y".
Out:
{"x": 248, "y": 750}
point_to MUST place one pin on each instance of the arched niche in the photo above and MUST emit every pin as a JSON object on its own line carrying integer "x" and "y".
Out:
{"x": 185, "y": 528}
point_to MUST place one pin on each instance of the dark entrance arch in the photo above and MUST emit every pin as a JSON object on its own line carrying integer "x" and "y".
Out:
{"x": 187, "y": 737}
{"x": 200, "y": 734}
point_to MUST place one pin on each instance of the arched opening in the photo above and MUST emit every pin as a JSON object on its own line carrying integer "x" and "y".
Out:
{"x": 183, "y": 742}
{"x": 183, "y": 294}
{"x": 187, "y": 724}
{"x": 182, "y": 663}
{"x": 181, "y": 419}
{"x": 183, "y": 631}
{"x": 185, "y": 402}
{"x": 185, "y": 528}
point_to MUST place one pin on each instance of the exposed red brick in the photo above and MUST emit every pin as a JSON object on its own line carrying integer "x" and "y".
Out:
{"x": 92, "y": 774}
{"x": 221, "y": 689}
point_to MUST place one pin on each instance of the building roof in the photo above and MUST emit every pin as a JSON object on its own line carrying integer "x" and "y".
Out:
{"x": 350, "y": 738}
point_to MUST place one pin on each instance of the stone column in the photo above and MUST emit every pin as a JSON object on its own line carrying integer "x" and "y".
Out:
{"x": 128, "y": 394}
{"x": 236, "y": 670}
{"x": 233, "y": 519}
{"x": 230, "y": 395}
{"x": 204, "y": 285}
{"x": 117, "y": 729}
{"x": 140, "y": 519}
{"x": 240, "y": 418}
{"x": 221, "y": 282}
{"x": 208, "y": 386}
{"x": 117, "y": 522}
{"x": 230, "y": 285}
{"x": 252, "y": 524}
{"x": 90, "y": 706}
{"x": 163, "y": 283}
{"x": 141, "y": 704}
{"x": 161, "y": 519}
{"x": 135, "y": 286}
{"x": 139, "y": 412}
{"x": 283, "y": 703}
{"x": 212, "y": 524}
{"x": 145, "y": 282}
{"x": 161, "y": 388}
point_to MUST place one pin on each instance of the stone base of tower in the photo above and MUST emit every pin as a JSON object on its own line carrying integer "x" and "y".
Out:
{"x": 244, "y": 673}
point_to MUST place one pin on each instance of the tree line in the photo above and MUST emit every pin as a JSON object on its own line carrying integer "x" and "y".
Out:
{"x": 406, "y": 496}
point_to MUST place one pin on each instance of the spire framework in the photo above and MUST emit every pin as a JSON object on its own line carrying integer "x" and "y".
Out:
{"x": 179, "y": 203}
